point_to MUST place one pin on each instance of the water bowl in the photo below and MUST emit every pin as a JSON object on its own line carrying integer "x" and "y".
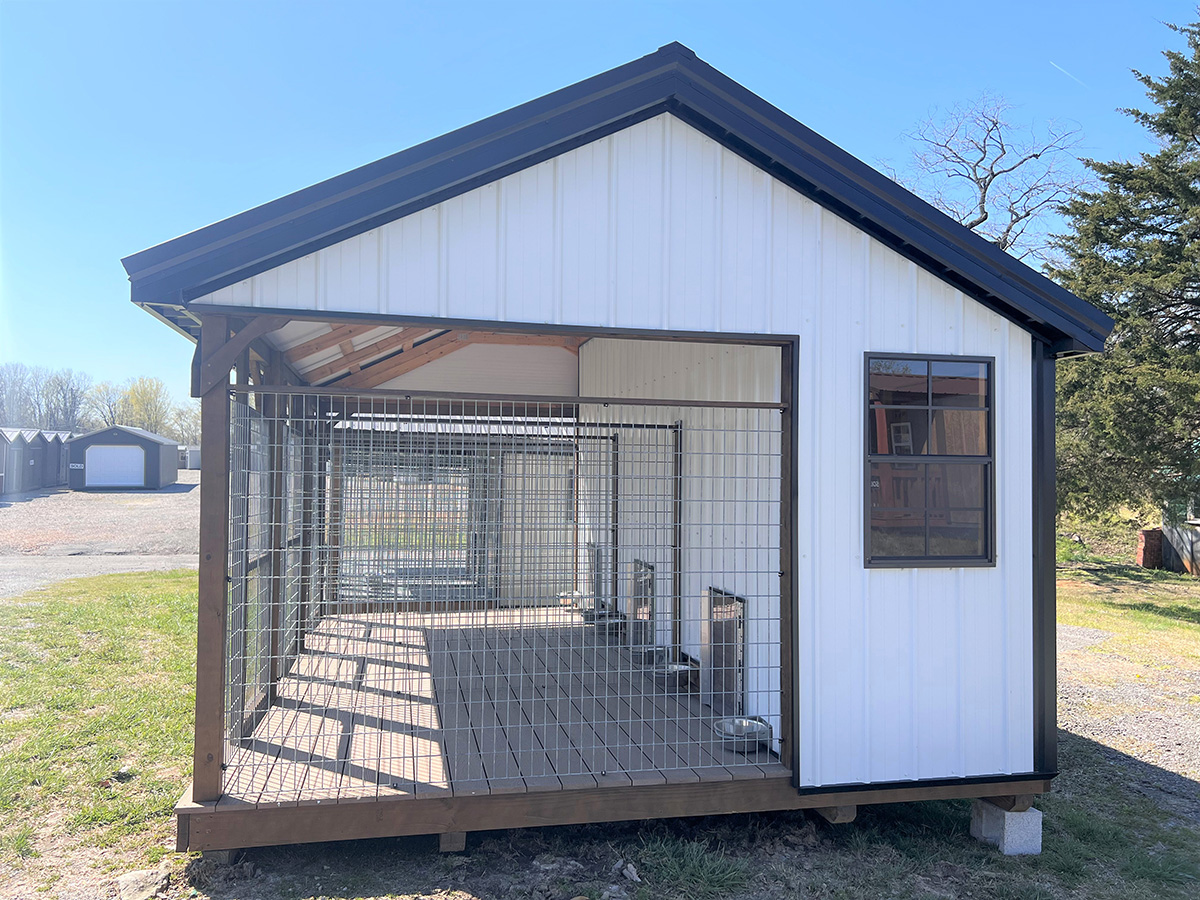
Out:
{"x": 742, "y": 734}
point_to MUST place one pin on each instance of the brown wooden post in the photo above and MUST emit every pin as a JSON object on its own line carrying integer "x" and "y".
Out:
{"x": 213, "y": 590}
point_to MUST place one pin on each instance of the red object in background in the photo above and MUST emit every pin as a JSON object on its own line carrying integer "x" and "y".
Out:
{"x": 1149, "y": 553}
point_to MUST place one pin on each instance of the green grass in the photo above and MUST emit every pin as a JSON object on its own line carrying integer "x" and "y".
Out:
{"x": 96, "y": 694}
{"x": 97, "y": 675}
{"x": 687, "y": 869}
{"x": 1153, "y": 615}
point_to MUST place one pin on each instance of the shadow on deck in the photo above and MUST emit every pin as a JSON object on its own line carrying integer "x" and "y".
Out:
{"x": 473, "y": 702}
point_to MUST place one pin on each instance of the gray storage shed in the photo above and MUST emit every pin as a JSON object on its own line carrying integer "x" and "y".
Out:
{"x": 57, "y": 458}
{"x": 121, "y": 456}
{"x": 12, "y": 459}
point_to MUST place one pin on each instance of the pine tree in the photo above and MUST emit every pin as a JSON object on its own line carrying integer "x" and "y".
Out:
{"x": 1129, "y": 419}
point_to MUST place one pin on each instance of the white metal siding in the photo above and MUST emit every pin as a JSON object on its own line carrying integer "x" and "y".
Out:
{"x": 496, "y": 369}
{"x": 914, "y": 673}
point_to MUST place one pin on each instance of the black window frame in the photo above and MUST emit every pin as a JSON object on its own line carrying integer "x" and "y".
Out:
{"x": 988, "y": 461}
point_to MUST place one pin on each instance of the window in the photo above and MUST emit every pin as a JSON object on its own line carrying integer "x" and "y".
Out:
{"x": 929, "y": 462}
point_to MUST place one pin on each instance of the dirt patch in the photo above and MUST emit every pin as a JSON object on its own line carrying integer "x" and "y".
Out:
{"x": 1143, "y": 711}
{"x": 72, "y": 523}
{"x": 53, "y": 535}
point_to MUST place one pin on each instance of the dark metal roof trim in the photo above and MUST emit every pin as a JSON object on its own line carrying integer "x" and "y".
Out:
{"x": 166, "y": 277}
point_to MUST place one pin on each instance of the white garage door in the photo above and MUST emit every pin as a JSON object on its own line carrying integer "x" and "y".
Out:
{"x": 113, "y": 466}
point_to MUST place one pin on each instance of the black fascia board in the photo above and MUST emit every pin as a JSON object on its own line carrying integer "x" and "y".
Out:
{"x": 671, "y": 79}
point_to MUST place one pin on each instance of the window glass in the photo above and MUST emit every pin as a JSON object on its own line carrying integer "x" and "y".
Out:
{"x": 900, "y": 432}
{"x": 955, "y": 533}
{"x": 899, "y": 382}
{"x": 897, "y": 485}
{"x": 958, "y": 383}
{"x": 955, "y": 486}
{"x": 928, "y": 512}
{"x": 958, "y": 432}
{"x": 898, "y": 533}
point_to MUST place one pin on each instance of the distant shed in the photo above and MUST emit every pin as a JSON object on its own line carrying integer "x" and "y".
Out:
{"x": 12, "y": 461}
{"x": 121, "y": 456}
{"x": 189, "y": 457}
{"x": 57, "y": 458}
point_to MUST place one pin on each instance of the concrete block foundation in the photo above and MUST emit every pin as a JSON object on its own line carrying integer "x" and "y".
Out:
{"x": 1015, "y": 833}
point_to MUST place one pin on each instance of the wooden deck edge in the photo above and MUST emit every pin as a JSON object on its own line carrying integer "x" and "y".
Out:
{"x": 204, "y": 826}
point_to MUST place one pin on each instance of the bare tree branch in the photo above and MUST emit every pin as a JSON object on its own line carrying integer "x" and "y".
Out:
{"x": 1000, "y": 180}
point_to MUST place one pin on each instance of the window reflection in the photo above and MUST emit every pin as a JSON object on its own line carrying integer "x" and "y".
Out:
{"x": 928, "y": 510}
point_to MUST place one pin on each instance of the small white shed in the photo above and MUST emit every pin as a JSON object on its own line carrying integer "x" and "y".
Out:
{"x": 636, "y": 443}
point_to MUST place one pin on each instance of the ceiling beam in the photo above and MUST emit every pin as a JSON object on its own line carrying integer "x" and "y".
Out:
{"x": 360, "y": 358}
{"x": 407, "y": 360}
{"x": 410, "y": 357}
{"x": 527, "y": 340}
{"x": 327, "y": 341}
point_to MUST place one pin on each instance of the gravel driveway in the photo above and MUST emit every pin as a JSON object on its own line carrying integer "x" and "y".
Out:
{"x": 52, "y": 535}
{"x": 1146, "y": 718}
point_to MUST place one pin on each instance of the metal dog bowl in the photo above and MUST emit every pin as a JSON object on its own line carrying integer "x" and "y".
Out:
{"x": 742, "y": 734}
{"x": 652, "y": 656}
{"x": 672, "y": 676}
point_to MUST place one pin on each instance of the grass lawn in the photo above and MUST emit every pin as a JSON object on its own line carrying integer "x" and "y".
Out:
{"x": 96, "y": 680}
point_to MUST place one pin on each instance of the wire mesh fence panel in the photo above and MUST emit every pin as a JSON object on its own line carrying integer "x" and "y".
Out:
{"x": 436, "y": 595}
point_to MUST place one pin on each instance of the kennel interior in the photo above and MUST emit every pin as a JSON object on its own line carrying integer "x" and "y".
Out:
{"x": 438, "y": 596}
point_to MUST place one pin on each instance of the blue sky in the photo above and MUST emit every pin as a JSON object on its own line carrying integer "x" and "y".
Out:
{"x": 124, "y": 124}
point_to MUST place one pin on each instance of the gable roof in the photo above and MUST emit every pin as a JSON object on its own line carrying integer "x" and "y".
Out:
{"x": 166, "y": 277}
{"x": 129, "y": 429}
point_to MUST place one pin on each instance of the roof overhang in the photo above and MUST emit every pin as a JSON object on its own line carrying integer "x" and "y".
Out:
{"x": 167, "y": 277}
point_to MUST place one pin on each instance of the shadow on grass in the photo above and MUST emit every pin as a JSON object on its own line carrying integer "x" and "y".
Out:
{"x": 1115, "y": 827}
{"x": 1111, "y": 573}
{"x": 1178, "y": 611}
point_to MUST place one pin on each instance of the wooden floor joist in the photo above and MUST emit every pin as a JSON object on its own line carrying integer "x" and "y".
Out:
{"x": 837, "y": 815}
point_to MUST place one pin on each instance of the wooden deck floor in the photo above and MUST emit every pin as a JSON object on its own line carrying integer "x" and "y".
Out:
{"x": 467, "y": 703}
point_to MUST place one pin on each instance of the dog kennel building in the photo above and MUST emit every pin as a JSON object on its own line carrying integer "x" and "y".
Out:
{"x": 635, "y": 452}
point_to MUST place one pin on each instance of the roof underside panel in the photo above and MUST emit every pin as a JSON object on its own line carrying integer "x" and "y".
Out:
{"x": 166, "y": 278}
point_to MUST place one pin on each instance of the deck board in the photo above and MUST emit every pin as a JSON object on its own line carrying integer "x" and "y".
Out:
{"x": 410, "y": 704}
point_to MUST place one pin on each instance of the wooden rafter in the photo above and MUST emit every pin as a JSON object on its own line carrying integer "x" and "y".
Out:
{"x": 405, "y": 361}
{"x": 526, "y": 340}
{"x": 330, "y": 339}
{"x": 357, "y": 359}
{"x": 411, "y": 358}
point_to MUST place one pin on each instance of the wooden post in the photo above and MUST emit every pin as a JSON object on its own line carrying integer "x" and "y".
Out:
{"x": 1012, "y": 802}
{"x": 213, "y": 589}
{"x": 837, "y": 815}
{"x": 452, "y": 841}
